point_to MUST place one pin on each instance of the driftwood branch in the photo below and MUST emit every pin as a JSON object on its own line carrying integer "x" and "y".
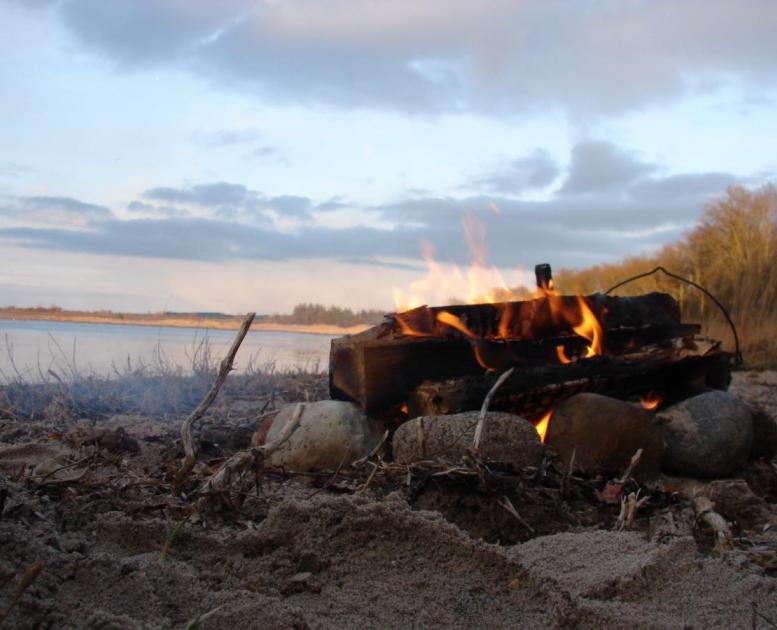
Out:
{"x": 484, "y": 409}
{"x": 240, "y": 462}
{"x": 186, "y": 429}
{"x": 705, "y": 511}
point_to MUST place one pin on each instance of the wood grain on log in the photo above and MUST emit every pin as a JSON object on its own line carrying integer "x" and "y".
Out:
{"x": 382, "y": 366}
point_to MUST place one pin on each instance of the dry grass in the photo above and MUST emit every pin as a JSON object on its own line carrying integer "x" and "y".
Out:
{"x": 157, "y": 387}
{"x": 732, "y": 253}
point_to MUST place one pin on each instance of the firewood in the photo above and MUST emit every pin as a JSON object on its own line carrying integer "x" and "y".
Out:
{"x": 531, "y": 391}
{"x": 380, "y": 367}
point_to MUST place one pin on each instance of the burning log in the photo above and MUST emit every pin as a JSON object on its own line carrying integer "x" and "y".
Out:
{"x": 440, "y": 360}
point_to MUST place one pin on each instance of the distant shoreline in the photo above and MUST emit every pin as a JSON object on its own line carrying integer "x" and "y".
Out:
{"x": 178, "y": 322}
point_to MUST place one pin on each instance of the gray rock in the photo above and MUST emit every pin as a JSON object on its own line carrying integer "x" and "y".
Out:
{"x": 604, "y": 434}
{"x": 330, "y": 432}
{"x": 736, "y": 502}
{"x": 706, "y": 436}
{"x": 764, "y": 432}
{"x": 506, "y": 438}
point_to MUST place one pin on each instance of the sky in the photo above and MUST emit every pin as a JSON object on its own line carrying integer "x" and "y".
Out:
{"x": 253, "y": 154}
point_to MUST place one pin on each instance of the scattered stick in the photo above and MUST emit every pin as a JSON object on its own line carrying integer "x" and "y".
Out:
{"x": 186, "y": 429}
{"x": 508, "y": 505}
{"x": 29, "y": 576}
{"x": 629, "y": 507}
{"x": 373, "y": 452}
{"x": 484, "y": 409}
{"x": 236, "y": 465}
{"x": 757, "y": 615}
{"x": 567, "y": 478}
{"x": 705, "y": 511}
{"x": 194, "y": 624}
{"x": 367, "y": 483}
{"x": 635, "y": 459}
{"x": 172, "y": 538}
{"x": 613, "y": 491}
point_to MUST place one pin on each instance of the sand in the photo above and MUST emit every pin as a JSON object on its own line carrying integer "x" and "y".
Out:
{"x": 299, "y": 556}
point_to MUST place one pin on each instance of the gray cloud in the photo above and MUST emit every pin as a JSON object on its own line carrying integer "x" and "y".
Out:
{"x": 65, "y": 204}
{"x": 536, "y": 170}
{"x": 13, "y": 169}
{"x": 445, "y": 55}
{"x": 233, "y": 201}
{"x": 611, "y": 204}
{"x": 602, "y": 167}
{"x": 155, "y": 210}
{"x": 228, "y": 137}
{"x": 209, "y": 195}
{"x": 687, "y": 186}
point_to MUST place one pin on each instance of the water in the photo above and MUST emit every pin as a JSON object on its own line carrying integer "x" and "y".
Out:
{"x": 35, "y": 347}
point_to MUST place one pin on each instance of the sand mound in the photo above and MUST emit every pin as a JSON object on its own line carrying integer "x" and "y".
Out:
{"x": 352, "y": 562}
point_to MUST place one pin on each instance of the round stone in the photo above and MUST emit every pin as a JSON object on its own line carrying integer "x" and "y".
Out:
{"x": 604, "y": 433}
{"x": 506, "y": 438}
{"x": 709, "y": 435}
{"x": 330, "y": 433}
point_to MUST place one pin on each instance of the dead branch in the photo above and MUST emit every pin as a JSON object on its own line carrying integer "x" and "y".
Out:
{"x": 236, "y": 465}
{"x": 509, "y": 507}
{"x": 705, "y": 511}
{"x": 635, "y": 459}
{"x": 186, "y": 429}
{"x": 629, "y": 507}
{"x": 373, "y": 452}
{"x": 29, "y": 576}
{"x": 484, "y": 408}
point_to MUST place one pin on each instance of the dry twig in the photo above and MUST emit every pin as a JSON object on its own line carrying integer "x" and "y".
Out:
{"x": 705, "y": 511}
{"x": 29, "y": 576}
{"x": 629, "y": 507}
{"x": 484, "y": 409}
{"x": 236, "y": 465}
{"x": 508, "y": 505}
{"x": 186, "y": 428}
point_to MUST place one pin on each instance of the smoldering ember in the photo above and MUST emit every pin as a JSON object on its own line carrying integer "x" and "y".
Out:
{"x": 561, "y": 460}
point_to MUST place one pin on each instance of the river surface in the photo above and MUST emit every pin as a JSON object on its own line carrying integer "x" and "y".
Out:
{"x": 32, "y": 348}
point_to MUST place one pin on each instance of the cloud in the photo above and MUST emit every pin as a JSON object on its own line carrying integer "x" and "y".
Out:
{"x": 686, "y": 186}
{"x": 445, "y": 55}
{"x": 153, "y": 210}
{"x": 611, "y": 204}
{"x": 235, "y": 201}
{"x": 536, "y": 170}
{"x": 66, "y": 204}
{"x": 13, "y": 170}
{"x": 267, "y": 152}
{"x": 228, "y": 137}
{"x": 209, "y": 195}
{"x": 602, "y": 167}
{"x": 61, "y": 211}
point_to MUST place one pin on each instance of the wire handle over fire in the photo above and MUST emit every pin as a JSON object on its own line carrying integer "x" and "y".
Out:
{"x": 737, "y": 353}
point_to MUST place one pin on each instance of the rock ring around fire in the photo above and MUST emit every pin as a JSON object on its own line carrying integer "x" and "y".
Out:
{"x": 507, "y": 439}
{"x": 604, "y": 433}
{"x": 709, "y": 435}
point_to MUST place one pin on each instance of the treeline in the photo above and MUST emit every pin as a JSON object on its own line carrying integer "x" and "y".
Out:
{"x": 310, "y": 313}
{"x": 732, "y": 253}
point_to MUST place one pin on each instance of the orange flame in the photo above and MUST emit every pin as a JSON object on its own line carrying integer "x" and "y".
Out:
{"x": 562, "y": 355}
{"x": 589, "y": 328}
{"x": 447, "y": 284}
{"x": 651, "y": 400}
{"x": 482, "y": 284}
{"x": 583, "y": 321}
{"x": 542, "y": 425}
{"x": 451, "y": 320}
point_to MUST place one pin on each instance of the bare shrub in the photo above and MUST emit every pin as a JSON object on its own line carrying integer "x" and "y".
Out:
{"x": 732, "y": 253}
